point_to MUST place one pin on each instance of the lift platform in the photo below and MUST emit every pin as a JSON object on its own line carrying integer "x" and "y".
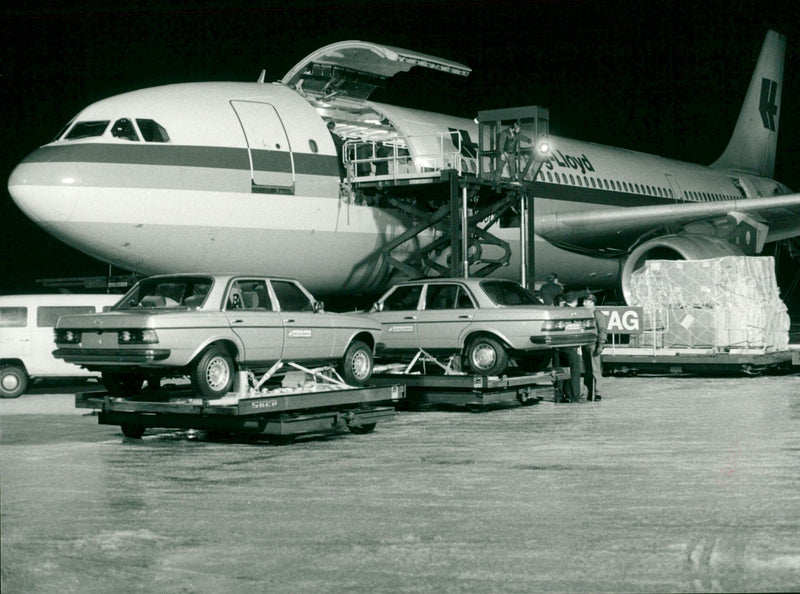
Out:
{"x": 438, "y": 385}
{"x": 276, "y": 413}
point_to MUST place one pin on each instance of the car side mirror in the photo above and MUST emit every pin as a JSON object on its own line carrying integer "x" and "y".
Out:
{"x": 377, "y": 307}
{"x": 318, "y": 306}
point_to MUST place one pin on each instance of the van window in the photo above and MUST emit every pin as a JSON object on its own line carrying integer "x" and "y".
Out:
{"x": 13, "y": 317}
{"x": 47, "y": 316}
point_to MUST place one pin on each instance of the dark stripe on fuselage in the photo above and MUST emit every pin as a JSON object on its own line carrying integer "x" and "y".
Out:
{"x": 567, "y": 193}
{"x": 186, "y": 156}
{"x": 166, "y": 155}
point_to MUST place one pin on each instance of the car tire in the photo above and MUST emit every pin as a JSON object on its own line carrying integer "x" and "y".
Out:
{"x": 356, "y": 366}
{"x": 123, "y": 385}
{"x": 213, "y": 374}
{"x": 13, "y": 381}
{"x": 486, "y": 356}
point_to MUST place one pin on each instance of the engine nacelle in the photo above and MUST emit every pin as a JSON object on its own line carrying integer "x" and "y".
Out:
{"x": 674, "y": 247}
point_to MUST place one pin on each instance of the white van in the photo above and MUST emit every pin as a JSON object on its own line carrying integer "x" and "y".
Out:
{"x": 26, "y": 337}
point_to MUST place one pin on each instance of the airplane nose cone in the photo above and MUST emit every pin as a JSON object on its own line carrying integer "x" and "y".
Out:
{"x": 41, "y": 188}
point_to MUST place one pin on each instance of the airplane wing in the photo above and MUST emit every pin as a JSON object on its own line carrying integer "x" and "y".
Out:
{"x": 615, "y": 230}
{"x": 356, "y": 68}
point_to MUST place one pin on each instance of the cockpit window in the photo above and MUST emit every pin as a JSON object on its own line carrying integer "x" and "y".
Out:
{"x": 87, "y": 130}
{"x": 123, "y": 128}
{"x": 152, "y": 131}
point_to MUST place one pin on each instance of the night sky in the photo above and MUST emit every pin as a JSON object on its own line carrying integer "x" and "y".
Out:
{"x": 660, "y": 77}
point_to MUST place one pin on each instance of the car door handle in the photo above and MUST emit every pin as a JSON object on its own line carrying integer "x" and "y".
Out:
{"x": 410, "y": 318}
{"x": 290, "y": 321}
{"x": 238, "y": 322}
{"x": 465, "y": 317}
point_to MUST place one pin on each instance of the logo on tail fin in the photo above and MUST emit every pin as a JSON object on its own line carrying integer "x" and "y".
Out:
{"x": 767, "y": 106}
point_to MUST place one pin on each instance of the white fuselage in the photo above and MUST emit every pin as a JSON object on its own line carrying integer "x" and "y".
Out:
{"x": 228, "y": 193}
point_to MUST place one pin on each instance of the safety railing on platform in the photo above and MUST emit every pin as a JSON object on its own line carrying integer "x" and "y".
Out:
{"x": 372, "y": 160}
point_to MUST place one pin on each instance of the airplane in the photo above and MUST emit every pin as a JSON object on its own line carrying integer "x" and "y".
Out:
{"x": 236, "y": 176}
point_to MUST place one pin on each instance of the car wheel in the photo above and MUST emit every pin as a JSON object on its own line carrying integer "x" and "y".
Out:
{"x": 13, "y": 381}
{"x": 486, "y": 356}
{"x": 213, "y": 374}
{"x": 357, "y": 364}
{"x": 122, "y": 385}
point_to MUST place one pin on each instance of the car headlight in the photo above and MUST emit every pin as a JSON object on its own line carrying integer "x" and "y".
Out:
{"x": 137, "y": 336}
{"x": 68, "y": 336}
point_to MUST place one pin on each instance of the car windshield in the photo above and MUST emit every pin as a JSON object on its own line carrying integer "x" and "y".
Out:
{"x": 508, "y": 293}
{"x": 167, "y": 292}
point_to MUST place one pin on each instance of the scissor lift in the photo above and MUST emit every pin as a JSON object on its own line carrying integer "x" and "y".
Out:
{"x": 315, "y": 403}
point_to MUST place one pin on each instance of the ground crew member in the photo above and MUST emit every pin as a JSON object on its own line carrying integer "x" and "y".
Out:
{"x": 551, "y": 289}
{"x": 508, "y": 149}
{"x": 569, "y": 357}
{"x": 592, "y": 363}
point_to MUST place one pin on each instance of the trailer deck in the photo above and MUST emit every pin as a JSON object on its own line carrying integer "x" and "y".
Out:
{"x": 623, "y": 360}
{"x": 473, "y": 392}
{"x": 274, "y": 413}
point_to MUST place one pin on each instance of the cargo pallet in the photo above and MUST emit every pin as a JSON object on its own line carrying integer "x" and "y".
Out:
{"x": 278, "y": 414}
{"x": 631, "y": 360}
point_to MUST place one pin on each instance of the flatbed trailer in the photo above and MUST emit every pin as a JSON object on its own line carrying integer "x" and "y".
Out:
{"x": 623, "y": 360}
{"x": 474, "y": 392}
{"x": 279, "y": 414}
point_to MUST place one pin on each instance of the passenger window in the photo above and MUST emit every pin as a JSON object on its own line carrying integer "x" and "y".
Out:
{"x": 87, "y": 130}
{"x": 464, "y": 301}
{"x": 152, "y": 131}
{"x": 312, "y": 144}
{"x": 441, "y": 297}
{"x": 254, "y": 294}
{"x": 403, "y": 298}
{"x": 13, "y": 317}
{"x": 47, "y": 316}
{"x": 290, "y": 297}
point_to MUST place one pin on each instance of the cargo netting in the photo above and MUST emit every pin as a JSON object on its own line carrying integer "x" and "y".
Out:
{"x": 730, "y": 302}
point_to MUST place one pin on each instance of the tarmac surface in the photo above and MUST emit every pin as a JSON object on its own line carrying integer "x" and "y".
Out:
{"x": 666, "y": 485}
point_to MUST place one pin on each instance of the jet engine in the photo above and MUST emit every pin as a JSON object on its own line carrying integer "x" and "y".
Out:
{"x": 674, "y": 247}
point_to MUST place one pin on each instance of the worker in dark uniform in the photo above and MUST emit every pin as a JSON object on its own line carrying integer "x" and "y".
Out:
{"x": 592, "y": 363}
{"x": 508, "y": 149}
{"x": 569, "y": 357}
{"x": 550, "y": 289}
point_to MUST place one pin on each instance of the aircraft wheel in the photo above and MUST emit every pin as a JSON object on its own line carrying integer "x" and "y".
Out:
{"x": 486, "y": 356}
{"x": 13, "y": 381}
{"x": 122, "y": 385}
{"x": 357, "y": 364}
{"x": 213, "y": 374}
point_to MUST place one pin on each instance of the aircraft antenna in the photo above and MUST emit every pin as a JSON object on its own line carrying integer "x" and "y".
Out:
{"x": 262, "y": 76}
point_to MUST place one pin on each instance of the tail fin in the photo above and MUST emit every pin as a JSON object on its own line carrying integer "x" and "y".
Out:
{"x": 751, "y": 149}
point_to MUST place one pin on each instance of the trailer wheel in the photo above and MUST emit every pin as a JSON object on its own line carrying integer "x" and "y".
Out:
{"x": 357, "y": 363}
{"x": 486, "y": 356}
{"x": 122, "y": 384}
{"x": 213, "y": 374}
{"x": 132, "y": 430}
{"x": 362, "y": 429}
{"x": 13, "y": 381}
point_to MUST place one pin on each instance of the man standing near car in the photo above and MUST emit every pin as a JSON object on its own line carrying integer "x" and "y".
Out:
{"x": 592, "y": 363}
